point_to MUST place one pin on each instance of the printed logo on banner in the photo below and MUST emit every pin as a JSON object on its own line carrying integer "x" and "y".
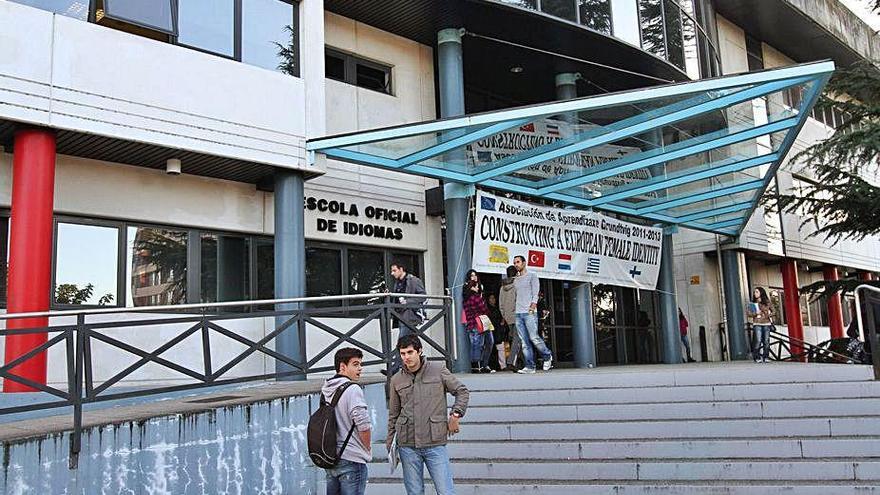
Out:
{"x": 487, "y": 203}
{"x": 593, "y": 265}
{"x": 536, "y": 258}
{"x": 498, "y": 254}
{"x": 564, "y": 261}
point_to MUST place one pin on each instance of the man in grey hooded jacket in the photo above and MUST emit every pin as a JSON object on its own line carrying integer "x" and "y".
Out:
{"x": 507, "y": 305}
{"x": 349, "y": 477}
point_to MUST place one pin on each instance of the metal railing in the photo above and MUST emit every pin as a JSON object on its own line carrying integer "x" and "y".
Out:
{"x": 868, "y": 327}
{"x": 299, "y": 315}
{"x": 783, "y": 347}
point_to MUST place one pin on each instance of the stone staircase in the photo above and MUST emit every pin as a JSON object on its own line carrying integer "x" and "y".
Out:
{"x": 738, "y": 428}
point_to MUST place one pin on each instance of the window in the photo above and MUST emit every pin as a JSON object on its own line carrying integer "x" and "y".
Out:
{"x": 264, "y": 26}
{"x": 754, "y": 53}
{"x": 224, "y": 268}
{"x": 156, "y": 264}
{"x": 595, "y": 14}
{"x": 651, "y": 18}
{"x": 78, "y": 9}
{"x": 564, "y": 9}
{"x": 4, "y": 257}
{"x": 324, "y": 274}
{"x": 674, "y": 34}
{"x": 208, "y": 25}
{"x": 86, "y": 265}
{"x": 154, "y": 15}
{"x": 357, "y": 71}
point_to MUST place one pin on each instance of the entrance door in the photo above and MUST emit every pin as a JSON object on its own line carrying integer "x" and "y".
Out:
{"x": 556, "y": 325}
{"x": 625, "y": 321}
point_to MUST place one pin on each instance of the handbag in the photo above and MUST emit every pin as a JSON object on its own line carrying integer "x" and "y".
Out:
{"x": 484, "y": 324}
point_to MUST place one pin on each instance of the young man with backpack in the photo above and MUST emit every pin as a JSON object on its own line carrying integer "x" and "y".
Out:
{"x": 417, "y": 414}
{"x": 343, "y": 448}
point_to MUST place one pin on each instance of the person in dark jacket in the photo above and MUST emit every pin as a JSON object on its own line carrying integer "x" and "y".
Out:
{"x": 507, "y": 305}
{"x": 474, "y": 307}
{"x": 501, "y": 334}
{"x": 413, "y": 315}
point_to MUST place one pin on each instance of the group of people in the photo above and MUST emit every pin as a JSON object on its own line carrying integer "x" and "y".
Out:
{"x": 418, "y": 422}
{"x": 510, "y": 318}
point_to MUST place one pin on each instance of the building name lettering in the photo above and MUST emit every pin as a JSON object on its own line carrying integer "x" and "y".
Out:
{"x": 354, "y": 227}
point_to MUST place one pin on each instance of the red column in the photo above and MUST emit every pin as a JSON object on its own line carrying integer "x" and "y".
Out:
{"x": 791, "y": 288}
{"x": 30, "y": 249}
{"x": 866, "y": 276}
{"x": 835, "y": 312}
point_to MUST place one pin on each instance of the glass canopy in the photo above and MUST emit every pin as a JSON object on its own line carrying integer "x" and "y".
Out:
{"x": 696, "y": 154}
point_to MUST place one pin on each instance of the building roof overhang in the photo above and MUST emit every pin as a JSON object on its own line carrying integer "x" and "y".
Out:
{"x": 697, "y": 154}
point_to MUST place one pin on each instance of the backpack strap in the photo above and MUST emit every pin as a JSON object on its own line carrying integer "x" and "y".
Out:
{"x": 336, "y": 397}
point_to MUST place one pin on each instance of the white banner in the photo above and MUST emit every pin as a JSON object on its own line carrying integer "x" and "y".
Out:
{"x": 565, "y": 244}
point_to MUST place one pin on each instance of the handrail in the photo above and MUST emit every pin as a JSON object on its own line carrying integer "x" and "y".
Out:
{"x": 870, "y": 332}
{"x": 225, "y": 304}
{"x": 810, "y": 347}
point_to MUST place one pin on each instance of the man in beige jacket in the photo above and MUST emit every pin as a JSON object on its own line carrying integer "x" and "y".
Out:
{"x": 417, "y": 415}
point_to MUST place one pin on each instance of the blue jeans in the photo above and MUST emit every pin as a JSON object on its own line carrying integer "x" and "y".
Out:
{"x": 413, "y": 461}
{"x": 347, "y": 478}
{"x": 481, "y": 346}
{"x": 527, "y": 327}
{"x": 762, "y": 335}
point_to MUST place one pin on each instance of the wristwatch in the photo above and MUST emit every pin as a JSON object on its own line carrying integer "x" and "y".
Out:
{"x": 456, "y": 414}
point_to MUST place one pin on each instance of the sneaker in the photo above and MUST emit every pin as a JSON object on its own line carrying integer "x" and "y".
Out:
{"x": 548, "y": 364}
{"x": 486, "y": 369}
{"x": 526, "y": 371}
{"x": 764, "y": 360}
{"x": 757, "y": 360}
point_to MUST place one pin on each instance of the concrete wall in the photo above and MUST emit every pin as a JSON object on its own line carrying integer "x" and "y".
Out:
{"x": 254, "y": 448}
{"x": 55, "y": 71}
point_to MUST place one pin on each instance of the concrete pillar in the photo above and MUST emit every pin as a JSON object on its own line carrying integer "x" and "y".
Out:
{"x": 732, "y": 267}
{"x": 791, "y": 290}
{"x": 457, "y": 197}
{"x": 669, "y": 331}
{"x": 290, "y": 267}
{"x": 835, "y": 311}
{"x": 30, "y": 250}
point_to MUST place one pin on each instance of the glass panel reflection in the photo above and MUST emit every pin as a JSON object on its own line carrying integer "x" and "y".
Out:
{"x": 208, "y": 25}
{"x": 264, "y": 27}
{"x": 674, "y": 35}
{"x": 323, "y": 275}
{"x": 156, "y": 14}
{"x": 78, "y": 9}
{"x": 85, "y": 264}
{"x": 651, "y": 16}
{"x": 224, "y": 274}
{"x": 596, "y": 14}
{"x": 564, "y": 9}
{"x": 156, "y": 270}
{"x": 366, "y": 272}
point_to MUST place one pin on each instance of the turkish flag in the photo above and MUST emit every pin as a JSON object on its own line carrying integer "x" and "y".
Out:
{"x": 536, "y": 258}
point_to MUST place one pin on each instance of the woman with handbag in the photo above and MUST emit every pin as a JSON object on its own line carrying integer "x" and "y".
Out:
{"x": 477, "y": 323}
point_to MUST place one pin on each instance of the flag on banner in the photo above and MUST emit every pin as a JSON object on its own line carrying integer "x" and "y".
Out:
{"x": 536, "y": 258}
{"x": 528, "y": 127}
{"x": 487, "y": 203}
{"x": 593, "y": 265}
{"x": 552, "y": 130}
{"x": 564, "y": 261}
{"x": 498, "y": 254}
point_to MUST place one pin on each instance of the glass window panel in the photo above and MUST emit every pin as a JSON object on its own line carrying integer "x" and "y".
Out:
{"x": 560, "y": 8}
{"x": 4, "y": 258}
{"x": 691, "y": 51}
{"x": 78, "y": 9}
{"x": 263, "y": 27}
{"x": 324, "y": 274}
{"x": 366, "y": 272}
{"x": 373, "y": 78}
{"x": 334, "y": 66}
{"x": 208, "y": 25}
{"x": 596, "y": 14}
{"x": 651, "y": 18}
{"x": 155, "y": 14}
{"x": 224, "y": 275}
{"x": 526, "y": 4}
{"x": 86, "y": 260}
{"x": 674, "y": 35}
{"x": 156, "y": 266}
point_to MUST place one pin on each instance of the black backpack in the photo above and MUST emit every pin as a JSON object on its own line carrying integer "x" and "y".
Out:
{"x": 321, "y": 432}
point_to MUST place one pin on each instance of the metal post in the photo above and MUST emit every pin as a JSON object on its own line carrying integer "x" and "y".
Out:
{"x": 457, "y": 196}
{"x": 668, "y": 307}
{"x": 290, "y": 253}
{"x": 76, "y": 392}
{"x": 734, "y": 304}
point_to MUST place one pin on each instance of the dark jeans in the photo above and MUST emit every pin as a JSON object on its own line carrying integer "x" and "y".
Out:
{"x": 482, "y": 345}
{"x": 347, "y": 478}
{"x": 762, "y": 336}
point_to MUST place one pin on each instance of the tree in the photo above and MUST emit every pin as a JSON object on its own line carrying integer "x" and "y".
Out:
{"x": 72, "y": 294}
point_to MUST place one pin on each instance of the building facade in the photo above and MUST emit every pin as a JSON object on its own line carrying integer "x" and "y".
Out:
{"x": 175, "y": 137}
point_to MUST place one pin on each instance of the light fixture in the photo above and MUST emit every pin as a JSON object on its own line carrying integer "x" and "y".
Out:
{"x": 172, "y": 166}
{"x": 516, "y": 69}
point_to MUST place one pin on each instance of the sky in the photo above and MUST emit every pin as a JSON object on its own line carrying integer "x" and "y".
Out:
{"x": 860, "y": 7}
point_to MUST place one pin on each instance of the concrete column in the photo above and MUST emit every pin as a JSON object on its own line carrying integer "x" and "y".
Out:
{"x": 791, "y": 289}
{"x": 290, "y": 268}
{"x": 30, "y": 250}
{"x": 669, "y": 332}
{"x": 458, "y": 197}
{"x": 732, "y": 267}
{"x": 835, "y": 311}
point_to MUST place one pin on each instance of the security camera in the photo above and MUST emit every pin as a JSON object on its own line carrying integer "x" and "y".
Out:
{"x": 172, "y": 166}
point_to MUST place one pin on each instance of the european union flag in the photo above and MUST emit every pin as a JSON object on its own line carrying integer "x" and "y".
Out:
{"x": 487, "y": 203}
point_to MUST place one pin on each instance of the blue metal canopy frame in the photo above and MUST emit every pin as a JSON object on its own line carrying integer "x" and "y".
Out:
{"x": 697, "y": 154}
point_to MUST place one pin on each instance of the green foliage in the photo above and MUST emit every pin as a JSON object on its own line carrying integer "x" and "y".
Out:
{"x": 288, "y": 54}
{"x": 72, "y": 294}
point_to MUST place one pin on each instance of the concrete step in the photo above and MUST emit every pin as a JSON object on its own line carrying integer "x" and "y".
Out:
{"x": 660, "y": 470}
{"x": 672, "y": 376}
{"x": 475, "y": 487}
{"x": 675, "y": 429}
{"x": 690, "y": 393}
{"x": 676, "y": 410}
{"x": 779, "y": 448}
